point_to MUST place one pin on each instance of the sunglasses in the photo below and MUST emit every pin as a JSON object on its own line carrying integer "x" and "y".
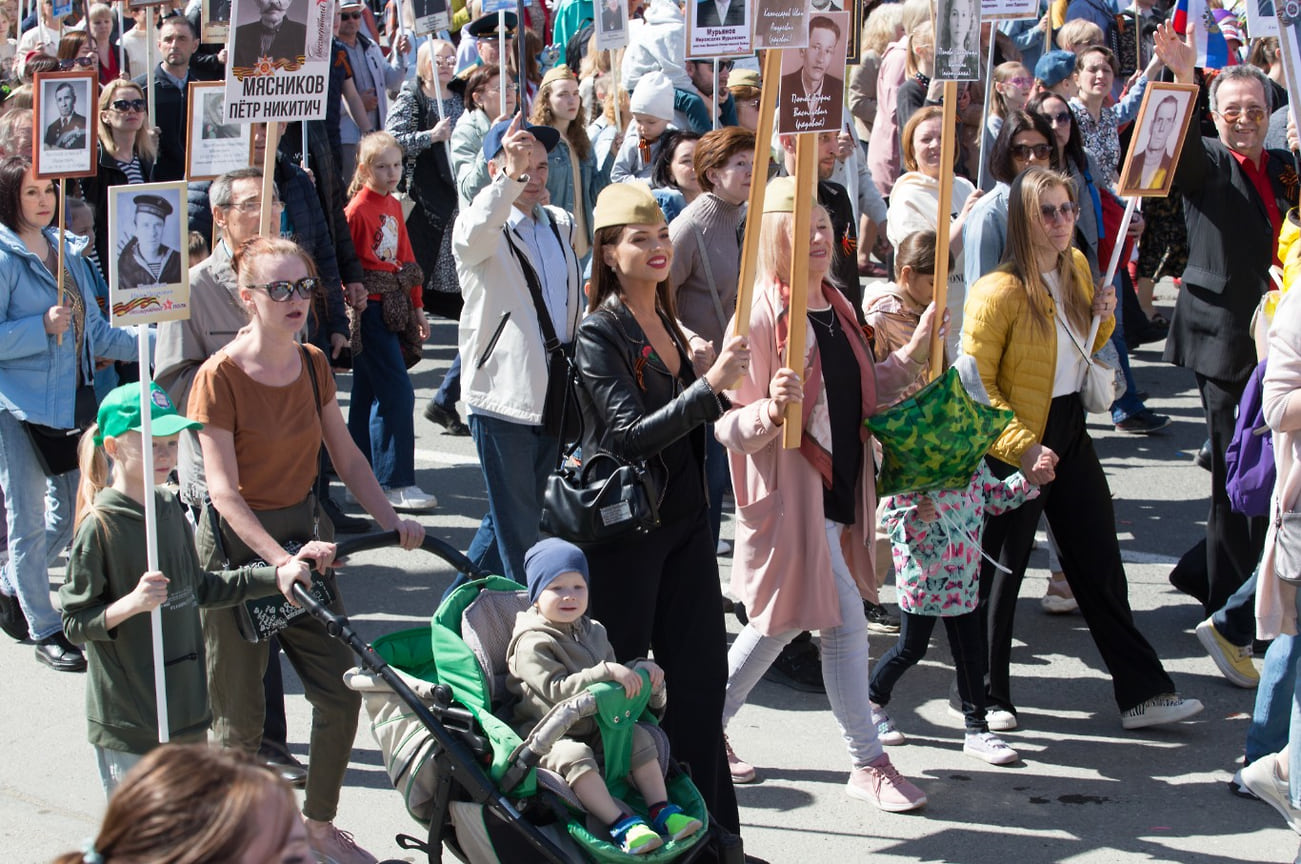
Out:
{"x": 1020, "y": 82}
{"x": 1067, "y": 212}
{"x": 1025, "y": 151}
{"x": 349, "y": 16}
{"x": 1233, "y": 115}
{"x": 84, "y": 62}
{"x": 1057, "y": 119}
{"x": 125, "y": 105}
{"x": 282, "y": 290}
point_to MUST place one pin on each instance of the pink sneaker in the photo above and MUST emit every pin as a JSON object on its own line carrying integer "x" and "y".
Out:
{"x": 881, "y": 784}
{"x": 332, "y": 846}
{"x": 742, "y": 771}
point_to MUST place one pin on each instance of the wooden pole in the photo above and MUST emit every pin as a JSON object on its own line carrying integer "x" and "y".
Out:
{"x": 63, "y": 219}
{"x": 772, "y": 64}
{"x": 618, "y": 115}
{"x": 806, "y": 185}
{"x": 948, "y": 142}
{"x": 265, "y": 227}
{"x": 121, "y": 46}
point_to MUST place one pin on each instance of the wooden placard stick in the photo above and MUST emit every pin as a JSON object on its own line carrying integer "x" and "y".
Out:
{"x": 806, "y": 185}
{"x": 265, "y": 228}
{"x": 63, "y": 220}
{"x": 615, "y": 62}
{"x": 772, "y": 64}
{"x": 948, "y": 142}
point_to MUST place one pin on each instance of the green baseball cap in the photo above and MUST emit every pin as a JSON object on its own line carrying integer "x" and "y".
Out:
{"x": 120, "y": 412}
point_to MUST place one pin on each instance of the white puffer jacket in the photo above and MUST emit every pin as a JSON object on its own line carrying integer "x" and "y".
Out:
{"x": 658, "y": 42}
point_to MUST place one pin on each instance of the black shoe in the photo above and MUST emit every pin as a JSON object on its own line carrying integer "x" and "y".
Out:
{"x": 343, "y": 523}
{"x": 1202, "y": 458}
{"x": 738, "y": 609}
{"x": 449, "y": 420}
{"x": 60, "y": 654}
{"x": 12, "y": 619}
{"x": 879, "y": 618}
{"x": 799, "y": 667}
{"x": 1145, "y": 422}
{"x": 283, "y": 763}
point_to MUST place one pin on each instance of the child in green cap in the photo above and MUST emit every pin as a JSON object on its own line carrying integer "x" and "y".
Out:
{"x": 109, "y": 590}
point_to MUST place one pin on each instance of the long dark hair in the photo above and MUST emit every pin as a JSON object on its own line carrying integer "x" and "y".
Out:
{"x": 1073, "y": 153}
{"x": 662, "y": 172}
{"x": 606, "y": 282}
{"x": 1001, "y": 163}
{"x": 13, "y": 170}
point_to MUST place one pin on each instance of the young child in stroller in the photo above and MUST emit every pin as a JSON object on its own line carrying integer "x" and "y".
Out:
{"x": 556, "y": 652}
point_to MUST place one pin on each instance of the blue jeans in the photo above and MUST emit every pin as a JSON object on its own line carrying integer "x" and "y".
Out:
{"x": 516, "y": 461}
{"x": 1236, "y": 619}
{"x": 1273, "y": 714}
{"x": 449, "y": 392}
{"x": 381, "y": 416}
{"x": 717, "y": 479}
{"x": 38, "y": 512}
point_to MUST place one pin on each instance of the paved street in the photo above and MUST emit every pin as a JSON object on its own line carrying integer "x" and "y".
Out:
{"x": 1086, "y": 791}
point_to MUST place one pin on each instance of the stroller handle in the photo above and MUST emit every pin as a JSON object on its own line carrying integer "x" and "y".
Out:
{"x": 430, "y": 544}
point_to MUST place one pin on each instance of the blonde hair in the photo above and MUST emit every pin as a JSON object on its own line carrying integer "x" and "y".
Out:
{"x": 1004, "y": 72}
{"x": 914, "y": 13}
{"x": 922, "y": 34}
{"x": 425, "y": 70}
{"x": 144, "y": 146}
{"x": 625, "y": 106}
{"x": 882, "y": 24}
{"x": 775, "y": 245}
{"x": 372, "y": 145}
{"x": 1078, "y": 32}
{"x": 1021, "y": 259}
{"x": 95, "y": 476}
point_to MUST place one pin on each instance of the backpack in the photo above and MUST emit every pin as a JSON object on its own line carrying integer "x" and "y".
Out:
{"x": 576, "y": 47}
{"x": 1249, "y": 458}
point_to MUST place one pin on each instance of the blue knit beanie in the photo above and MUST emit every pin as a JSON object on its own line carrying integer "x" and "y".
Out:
{"x": 547, "y": 560}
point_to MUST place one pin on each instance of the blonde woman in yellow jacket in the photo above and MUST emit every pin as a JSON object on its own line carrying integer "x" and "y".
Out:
{"x": 1025, "y": 324}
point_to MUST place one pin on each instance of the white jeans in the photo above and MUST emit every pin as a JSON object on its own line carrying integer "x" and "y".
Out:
{"x": 844, "y": 663}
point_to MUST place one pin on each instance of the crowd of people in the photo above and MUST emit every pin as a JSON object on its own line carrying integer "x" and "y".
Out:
{"x": 572, "y": 208}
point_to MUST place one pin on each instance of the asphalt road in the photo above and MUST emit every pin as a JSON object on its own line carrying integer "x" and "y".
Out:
{"x": 1085, "y": 791}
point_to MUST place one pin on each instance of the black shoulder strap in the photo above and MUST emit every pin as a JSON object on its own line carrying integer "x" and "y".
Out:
{"x": 549, "y": 338}
{"x": 318, "y": 485}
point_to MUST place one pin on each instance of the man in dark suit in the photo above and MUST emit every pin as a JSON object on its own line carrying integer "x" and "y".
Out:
{"x": 272, "y": 35}
{"x": 728, "y": 13}
{"x": 1152, "y": 164}
{"x": 1234, "y": 204}
{"x": 68, "y": 129}
{"x": 811, "y": 98}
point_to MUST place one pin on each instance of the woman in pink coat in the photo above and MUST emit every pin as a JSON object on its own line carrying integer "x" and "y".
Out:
{"x": 805, "y": 517}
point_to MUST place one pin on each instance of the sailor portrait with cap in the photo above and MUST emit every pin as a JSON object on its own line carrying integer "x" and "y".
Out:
{"x": 145, "y": 259}
{"x": 483, "y": 48}
{"x": 68, "y": 131}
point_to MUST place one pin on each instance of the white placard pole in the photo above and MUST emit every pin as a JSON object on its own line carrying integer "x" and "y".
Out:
{"x": 983, "y": 172}
{"x": 151, "y": 523}
{"x": 501, "y": 58}
{"x": 1113, "y": 264}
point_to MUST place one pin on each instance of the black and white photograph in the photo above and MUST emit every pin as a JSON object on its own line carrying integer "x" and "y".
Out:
{"x": 215, "y": 146}
{"x": 812, "y": 97}
{"x": 718, "y": 28}
{"x": 957, "y": 40}
{"x": 64, "y": 137}
{"x": 269, "y": 33}
{"x": 430, "y": 16}
{"x": 149, "y": 266}
{"x": 612, "y": 31}
{"x": 1163, "y": 118}
{"x": 216, "y": 21}
{"x": 1261, "y": 18}
{"x": 780, "y": 24}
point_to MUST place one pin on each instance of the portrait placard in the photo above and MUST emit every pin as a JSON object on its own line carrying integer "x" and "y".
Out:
{"x": 63, "y": 134}
{"x": 1008, "y": 10}
{"x": 812, "y": 96}
{"x": 718, "y": 28}
{"x": 215, "y": 145}
{"x": 611, "y": 24}
{"x": 430, "y": 16}
{"x": 278, "y": 64}
{"x": 61, "y": 8}
{"x": 1159, "y": 131}
{"x": 1261, "y": 19}
{"x": 853, "y": 54}
{"x": 957, "y": 40}
{"x": 780, "y": 23}
{"x": 1289, "y": 46}
{"x": 216, "y": 21}
{"x": 148, "y": 266}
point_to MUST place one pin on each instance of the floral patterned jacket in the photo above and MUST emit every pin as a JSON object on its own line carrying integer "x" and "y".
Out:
{"x": 937, "y": 564}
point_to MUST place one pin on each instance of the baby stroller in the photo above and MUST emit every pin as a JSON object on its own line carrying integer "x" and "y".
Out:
{"x": 464, "y": 773}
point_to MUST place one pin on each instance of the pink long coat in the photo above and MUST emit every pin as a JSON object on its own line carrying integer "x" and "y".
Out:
{"x": 781, "y": 566}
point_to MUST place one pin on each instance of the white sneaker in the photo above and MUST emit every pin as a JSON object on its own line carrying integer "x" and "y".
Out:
{"x": 724, "y": 548}
{"x": 886, "y": 731}
{"x": 1262, "y": 780}
{"x": 1000, "y": 720}
{"x": 410, "y": 498}
{"x": 1162, "y": 708}
{"x": 990, "y": 748}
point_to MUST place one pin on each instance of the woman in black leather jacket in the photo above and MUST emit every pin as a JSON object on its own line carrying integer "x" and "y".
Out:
{"x": 641, "y": 399}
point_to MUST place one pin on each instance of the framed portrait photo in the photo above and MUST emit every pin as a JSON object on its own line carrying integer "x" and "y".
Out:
{"x": 63, "y": 123}
{"x": 611, "y": 25}
{"x": 149, "y": 252}
{"x": 812, "y": 93}
{"x": 430, "y": 16}
{"x": 957, "y": 40}
{"x": 216, "y": 21}
{"x": 718, "y": 28}
{"x": 215, "y": 146}
{"x": 1159, "y": 130}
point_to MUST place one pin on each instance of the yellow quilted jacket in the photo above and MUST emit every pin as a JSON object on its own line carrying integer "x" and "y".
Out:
{"x": 1017, "y": 363}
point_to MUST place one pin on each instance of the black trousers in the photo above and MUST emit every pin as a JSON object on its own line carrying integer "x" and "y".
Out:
{"x": 1078, "y": 507}
{"x": 660, "y": 592}
{"x": 1234, "y": 542}
{"x": 967, "y": 644}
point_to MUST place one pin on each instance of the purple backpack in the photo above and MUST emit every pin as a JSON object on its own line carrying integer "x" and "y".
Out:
{"x": 1249, "y": 458}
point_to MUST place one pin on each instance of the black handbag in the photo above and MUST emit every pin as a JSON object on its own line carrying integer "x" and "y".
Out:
{"x": 581, "y": 508}
{"x": 56, "y": 449}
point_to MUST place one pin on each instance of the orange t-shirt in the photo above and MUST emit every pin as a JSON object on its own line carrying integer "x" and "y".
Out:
{"x": 277, "y": 429}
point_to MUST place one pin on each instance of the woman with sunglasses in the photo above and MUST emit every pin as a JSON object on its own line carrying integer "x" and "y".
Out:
{"x": 1026, "y": 326}
{"x": 915, "y": 199}
{"x": 266, "y": 415}
{"x": 128, "y": 148}
{"x": 78, "y": 51}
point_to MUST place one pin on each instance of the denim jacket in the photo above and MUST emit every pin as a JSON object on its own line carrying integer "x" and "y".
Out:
{"x": 37, "y": 377}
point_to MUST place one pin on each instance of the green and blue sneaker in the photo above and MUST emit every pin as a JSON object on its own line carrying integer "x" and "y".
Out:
{"x": 675, "y": 824}
{"x": 634, "y": 836}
